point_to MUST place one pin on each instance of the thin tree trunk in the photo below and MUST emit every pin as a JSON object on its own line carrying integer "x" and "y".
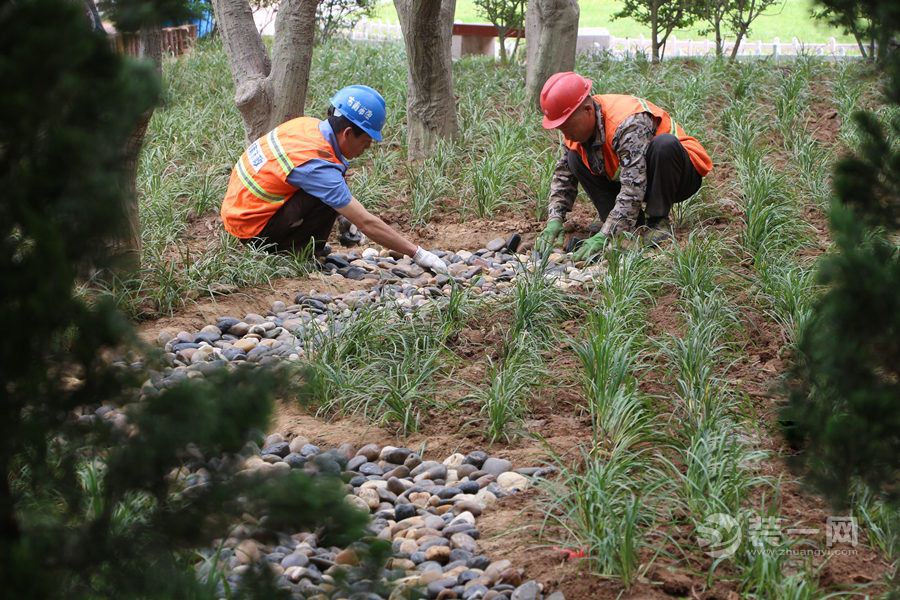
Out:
{"x": 720, "y": 47}
{"x": 551, "y": 35}
{"x": 93, "y": 15}
{"x": 250, "y": 65}
{"x": 737, "y": 43}
{"x": 295, "y": 30}
{"x": 150, "y": 48}
{"x": 654, "y": 32}
{"x": 427, "y": 27}
{"x": 501, "y": 38}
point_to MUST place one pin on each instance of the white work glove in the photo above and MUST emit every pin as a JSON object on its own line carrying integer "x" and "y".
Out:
{"x": 426, "y": 259}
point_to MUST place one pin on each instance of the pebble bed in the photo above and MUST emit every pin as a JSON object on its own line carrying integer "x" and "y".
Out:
{"x": 283, "y": 333}
{"x": 428, "y": 509}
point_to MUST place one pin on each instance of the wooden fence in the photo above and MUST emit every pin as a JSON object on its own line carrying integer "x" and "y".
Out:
{"x": 175, "y": 41}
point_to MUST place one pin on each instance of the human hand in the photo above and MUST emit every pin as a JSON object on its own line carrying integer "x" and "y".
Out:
{"x": 549, "y": 237}
{"x": 429, "y": 260}
{"x": 590, "y": 248}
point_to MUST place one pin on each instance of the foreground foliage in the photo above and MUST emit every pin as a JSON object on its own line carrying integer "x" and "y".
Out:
{"x": 89, "y": 506}
{"x": 844, "y": 389}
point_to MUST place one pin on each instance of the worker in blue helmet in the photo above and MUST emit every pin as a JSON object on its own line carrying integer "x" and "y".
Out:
{"x": 289, "y": 186}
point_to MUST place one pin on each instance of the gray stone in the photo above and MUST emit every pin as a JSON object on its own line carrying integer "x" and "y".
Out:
{"x": 354, "y": 273}
{"x": 370, "y": 469}
{"x": 460, "y": 555}
{"x": 309, "y": 450}
{"x": 448, "y": 492}
{"x": 496, "y": 466}
{"x": 370, "y": 452}
{"x": 295, "y": 460}
{"x": 530, "y": 590}
{"x": 281, "y": 449}
{"x": 468, "y": 487}
{"x": 435, "y": 587}
{"x": 405, "y": 511}
{"x": 326, "y": 464}
{"x": 496, "y": 244}
{"x": 295, "y": 560}
{"x": 356, "y": 462}
{"x": 476, "y": 458}
{"x": 474, "y": 592}
{"x": 395, "y": 455}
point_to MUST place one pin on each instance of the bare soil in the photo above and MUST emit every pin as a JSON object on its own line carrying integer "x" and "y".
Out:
{"x": 554, "y": 424}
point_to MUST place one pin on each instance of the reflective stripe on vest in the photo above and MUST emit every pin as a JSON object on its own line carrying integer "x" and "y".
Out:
{"x": 614, "y": 109}
{"x": 258, "y": 186}
{"x": 280, "y": 155}
{"x": 253, "y": 187}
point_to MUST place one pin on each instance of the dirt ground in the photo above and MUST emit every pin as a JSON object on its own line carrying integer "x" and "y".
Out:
{"x": 511, "y": 530}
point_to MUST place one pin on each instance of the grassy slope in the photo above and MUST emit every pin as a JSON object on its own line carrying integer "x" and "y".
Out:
{"x": 785, "y": 20}
{"x": 759, "y": 124}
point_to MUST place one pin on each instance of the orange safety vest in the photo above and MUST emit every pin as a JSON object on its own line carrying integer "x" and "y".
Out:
{"x": 614, "y": 109}
{"x": 258, "y": 186}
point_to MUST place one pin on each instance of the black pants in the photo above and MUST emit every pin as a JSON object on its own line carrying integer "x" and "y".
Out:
{"x": 671, "y": 178}
{"x": 301, "y": 220}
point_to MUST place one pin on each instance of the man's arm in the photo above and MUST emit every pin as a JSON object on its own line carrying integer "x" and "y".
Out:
{"x": 375, "y": 229}
{"x": 630, "y": 144}
{"x": 563, "y": 190}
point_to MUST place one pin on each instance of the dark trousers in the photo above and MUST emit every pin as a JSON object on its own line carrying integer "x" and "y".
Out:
{"x": 302, "y": 220}
{"x": 671, "y": 178}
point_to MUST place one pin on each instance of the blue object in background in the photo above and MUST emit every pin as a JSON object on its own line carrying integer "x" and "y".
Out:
{"x": 205, "y": 23}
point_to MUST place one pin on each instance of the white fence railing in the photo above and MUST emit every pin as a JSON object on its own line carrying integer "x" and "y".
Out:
{"x": 599, "y": 40}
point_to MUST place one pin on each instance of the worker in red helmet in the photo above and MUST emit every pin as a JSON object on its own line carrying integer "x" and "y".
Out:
{"x": 633, "y": 160}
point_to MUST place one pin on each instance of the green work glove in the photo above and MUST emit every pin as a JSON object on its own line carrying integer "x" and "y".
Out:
{"x": 590, "y": 248}
{"x": 550, "y": 236}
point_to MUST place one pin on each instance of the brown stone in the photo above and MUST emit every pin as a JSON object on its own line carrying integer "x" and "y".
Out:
{"x": 346, "y": 557}
{"x": 439, "y": 554}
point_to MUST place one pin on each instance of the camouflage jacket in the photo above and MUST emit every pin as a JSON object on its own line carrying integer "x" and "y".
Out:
{"x": 630, "y": 145}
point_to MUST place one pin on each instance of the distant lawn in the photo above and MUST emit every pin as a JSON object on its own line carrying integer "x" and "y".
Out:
{"x": 785, "y": 20}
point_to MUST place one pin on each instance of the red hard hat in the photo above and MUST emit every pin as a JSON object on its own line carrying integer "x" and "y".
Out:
{"x": 562, "y": 94}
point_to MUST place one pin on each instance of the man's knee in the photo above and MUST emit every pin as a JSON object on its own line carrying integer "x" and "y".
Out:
{"x": 664, "y": 146}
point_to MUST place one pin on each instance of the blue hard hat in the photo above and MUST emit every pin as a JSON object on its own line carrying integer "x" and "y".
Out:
{"x": 363, "y": 106}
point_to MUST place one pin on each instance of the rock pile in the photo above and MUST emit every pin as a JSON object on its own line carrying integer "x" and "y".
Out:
{"x": 282, "y": 333}
{"x": 427, "y": 509}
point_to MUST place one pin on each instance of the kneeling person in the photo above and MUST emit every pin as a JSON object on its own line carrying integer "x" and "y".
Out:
{"x": 626, "y": 152}
{"x": 289, "y": 186}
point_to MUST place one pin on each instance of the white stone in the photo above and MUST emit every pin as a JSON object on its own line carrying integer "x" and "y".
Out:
{"x": 454, "y": 460}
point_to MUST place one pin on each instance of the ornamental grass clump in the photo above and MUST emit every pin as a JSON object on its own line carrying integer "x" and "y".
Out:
{"x": 511, "y": 382}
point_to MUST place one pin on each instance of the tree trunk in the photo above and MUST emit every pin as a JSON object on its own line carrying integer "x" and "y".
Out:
{"x": 720, "y": 46}
{"x": 427, "y": 27}
{"x": 501, "y": 39}
{"x": 551, "y": 34}
{"x": 93, "y": 15}
{"x": 737, "y": 43}
{"x": 654, "y": 31}
{"x": 268, "y": 92}
{"x": 129, "y": 252}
